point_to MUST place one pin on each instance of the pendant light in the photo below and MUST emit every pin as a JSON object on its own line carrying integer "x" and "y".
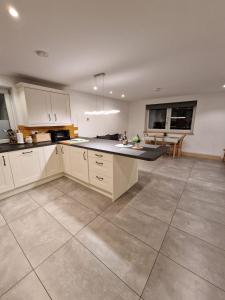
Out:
{"x": 97, "y": 112}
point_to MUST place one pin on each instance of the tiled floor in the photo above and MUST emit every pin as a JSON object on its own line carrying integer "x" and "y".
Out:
{"x": 162, "y": 240}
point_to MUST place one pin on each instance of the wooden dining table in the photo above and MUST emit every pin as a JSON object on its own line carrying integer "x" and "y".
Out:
{"x": 165, "y": 140}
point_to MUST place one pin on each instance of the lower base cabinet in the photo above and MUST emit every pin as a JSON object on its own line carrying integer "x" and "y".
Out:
{"x": 26, "y": 166}
{"x": 53, "y": 160}
{"x": 66, "y": 161}
{"x": 109, "y": 174}
{"x": 79, "y": 163}
{"x": 6, "y": 179}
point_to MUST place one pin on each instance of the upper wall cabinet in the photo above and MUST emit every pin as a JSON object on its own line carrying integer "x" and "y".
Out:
{"x": 38, "y": 106}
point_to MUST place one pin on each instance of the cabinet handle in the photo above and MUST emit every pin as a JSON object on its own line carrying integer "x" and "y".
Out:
{"x": 27, "y": 152}
{"x": 62, "y": 150}
{"x": 55, "y": 117}
{"x": 98, "y": 155}
{"x": 49, "y": 117}
{"x": 3, "y": 157}
{"x": 99, "y": 163}
{"x": 99, "y": 178}
{"x": 56, "y": 150}
{"x": 84, "y": 155}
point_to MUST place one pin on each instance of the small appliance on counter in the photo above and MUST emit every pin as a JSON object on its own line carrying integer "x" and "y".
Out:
{"x": 28, "y": 139}
{"x": 59, "y": 135}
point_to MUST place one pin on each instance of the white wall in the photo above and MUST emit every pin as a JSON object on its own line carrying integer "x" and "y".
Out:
{"x": 97, "y": 125}
{"x": 209, "y": 127}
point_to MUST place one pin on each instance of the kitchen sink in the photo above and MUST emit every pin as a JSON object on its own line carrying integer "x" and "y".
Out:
{"x": 75, "y": 141}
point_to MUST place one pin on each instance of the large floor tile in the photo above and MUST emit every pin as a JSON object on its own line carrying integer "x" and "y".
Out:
{"x": 70, "y": 213}
{"x": 147, "y": 166}
{"x": 39, "y": 235}
{"x": 207, "y": 230}
{"x": 208, "y": 174}
{"x": 73, "y": 272}
{"x": 196, "y": 255}
{"x": 170, "y": 281}
{"x": 44, "y": 194}
{"x": 173, "y": 187}
{"x": 2, "y": 221}
{"x": 205, "y": 191}
{"x": 64, "y": 184}
{"x": 13, "y": 264}
{"x": 91, "y": 199}
{"x": 155, "y": 203}
{"x": 173, "y": 171}
{"x": 29, "y": 288}
{"x": 142, "y": 226}
{"x": 127, "y": 257}
{"x": 202, "y": 208}
{"x": 180, "y": 163}
{"x": 17, "y": 206}
{"x": 206, "y": 164}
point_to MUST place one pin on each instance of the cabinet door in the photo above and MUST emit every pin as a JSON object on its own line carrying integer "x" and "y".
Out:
{"x": 6, "y": 179}
{"x": 52, "y": 160}
{"x": 39, "y": 109}
{"x": 61, "y": 108}
{"x": 79, "y": 163}
{"x": 65, "y": 150}
{"x": 26, "y": 166}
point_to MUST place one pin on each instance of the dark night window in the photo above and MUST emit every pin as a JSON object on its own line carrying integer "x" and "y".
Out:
{"x": 178, "y": 116}
{"x": 181, "y": 118}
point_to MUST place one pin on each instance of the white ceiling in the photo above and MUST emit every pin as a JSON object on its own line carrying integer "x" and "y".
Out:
{"x": 177, "y": 45}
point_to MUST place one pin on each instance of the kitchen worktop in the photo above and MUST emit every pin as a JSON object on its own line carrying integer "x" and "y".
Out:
{"x": 6, "y": 147}
{"x": 149, "y": 152}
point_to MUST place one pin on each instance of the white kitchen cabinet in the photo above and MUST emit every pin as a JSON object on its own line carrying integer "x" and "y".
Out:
{"x": 26, "y": 166}
{"x": 60, "y": 108}
{"x": 66, "y": 162}
{"x": 6, "y": 179}
{"x": 79, "y": 163}
{"x": 41, "y": 106}
{"x": 53, "y": 158}
{"x": 38, "y": 106}
{"x": 113, "y": 174}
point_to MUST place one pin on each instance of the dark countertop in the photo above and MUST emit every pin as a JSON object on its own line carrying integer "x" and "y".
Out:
{"x": 14, "y": 147}
{"x": 149, "y": 152}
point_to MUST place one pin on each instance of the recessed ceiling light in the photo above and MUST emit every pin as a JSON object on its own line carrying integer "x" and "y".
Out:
{"x": 13, "y": 12}
{"x": 41, "y": 53}
{"x": 95, "y": 88}
{"x": 122, "y": 96}
{"x": 110, "y": 92}
{"x": 158, "y": 89}
{"x": 224, "y": 86}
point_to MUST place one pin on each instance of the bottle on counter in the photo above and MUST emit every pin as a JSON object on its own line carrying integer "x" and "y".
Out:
{"x": 124, "y": 138}
{"x": 19, "y": 137}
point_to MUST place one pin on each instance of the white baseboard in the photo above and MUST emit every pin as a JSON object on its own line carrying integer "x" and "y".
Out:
{"x": 201, "y": 155}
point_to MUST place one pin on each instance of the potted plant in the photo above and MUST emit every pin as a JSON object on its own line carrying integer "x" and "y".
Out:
{"x": 136, "y": 140}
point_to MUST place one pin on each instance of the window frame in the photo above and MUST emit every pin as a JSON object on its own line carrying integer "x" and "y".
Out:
{"x": 9, "y": 107}
{"x": 168, "y": 121}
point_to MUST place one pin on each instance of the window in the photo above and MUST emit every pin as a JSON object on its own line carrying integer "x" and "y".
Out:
{"x": 5, "y": 114}
{"x": 178, "y": 116}
{"x": 157, "y": 118}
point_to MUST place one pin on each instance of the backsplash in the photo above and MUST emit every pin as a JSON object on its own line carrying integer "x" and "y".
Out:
{"x": 27, "y": 130}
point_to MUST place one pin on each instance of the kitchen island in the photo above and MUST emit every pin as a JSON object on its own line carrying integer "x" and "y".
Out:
{"x": 105, "y": 166}
{"x": 96, "y": 163}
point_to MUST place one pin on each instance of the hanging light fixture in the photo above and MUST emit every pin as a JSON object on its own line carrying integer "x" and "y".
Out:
{"x": 102, "y": 111}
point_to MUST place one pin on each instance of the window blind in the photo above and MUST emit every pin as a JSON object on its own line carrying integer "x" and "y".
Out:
{"x": 172, "y": 105}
